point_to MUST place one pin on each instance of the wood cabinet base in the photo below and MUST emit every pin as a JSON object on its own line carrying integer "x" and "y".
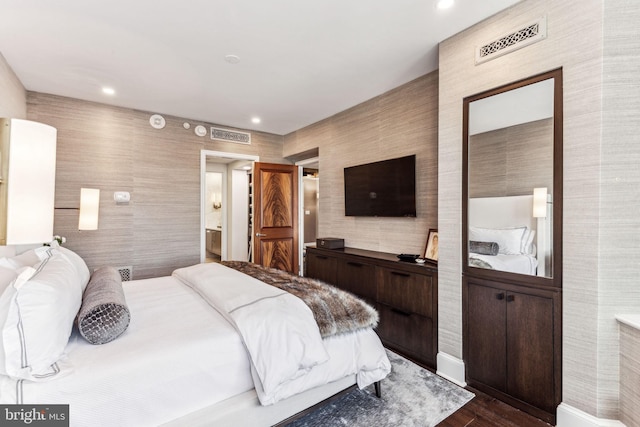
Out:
{"x": 405, "y": 295}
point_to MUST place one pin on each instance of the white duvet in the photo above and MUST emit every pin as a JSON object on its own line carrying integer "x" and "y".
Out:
{"x": 278, "y": 330}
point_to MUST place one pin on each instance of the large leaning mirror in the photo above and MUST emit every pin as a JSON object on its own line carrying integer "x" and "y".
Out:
{"x": 512, "y": 183}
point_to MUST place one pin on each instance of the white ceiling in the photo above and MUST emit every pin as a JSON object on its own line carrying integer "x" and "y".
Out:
{"x": 300, "y": 61}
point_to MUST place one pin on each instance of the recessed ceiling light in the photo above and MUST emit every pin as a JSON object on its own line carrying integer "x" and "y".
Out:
{"x": 108, "y": 91}
{"x": 444, "y": 4}
{"x": 232, "y": 59}
{"x": 255, "y": 120}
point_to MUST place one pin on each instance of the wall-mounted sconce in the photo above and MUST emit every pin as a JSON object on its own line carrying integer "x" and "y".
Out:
{"x": 89, "y": 208}
{"x": 540, "y": 207}
{"x": 540, "y": 202}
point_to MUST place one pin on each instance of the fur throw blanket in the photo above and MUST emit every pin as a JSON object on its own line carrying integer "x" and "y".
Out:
{"x": 336, "y": 311}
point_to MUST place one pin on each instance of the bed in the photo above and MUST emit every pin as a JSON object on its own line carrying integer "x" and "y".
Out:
{"x": 504, "y": 235}
{"x": 201, "y": 348}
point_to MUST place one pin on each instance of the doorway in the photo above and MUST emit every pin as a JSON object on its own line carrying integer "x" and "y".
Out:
{"x": 225, "y": 215}
{"x": 309, "y": 199}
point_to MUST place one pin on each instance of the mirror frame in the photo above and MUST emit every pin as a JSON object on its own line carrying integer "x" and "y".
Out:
{"x": 556, "y": 261}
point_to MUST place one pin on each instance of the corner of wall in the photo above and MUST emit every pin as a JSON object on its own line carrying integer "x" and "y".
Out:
{"x": 568, "y": 416}
{"x": 450, "y": 368}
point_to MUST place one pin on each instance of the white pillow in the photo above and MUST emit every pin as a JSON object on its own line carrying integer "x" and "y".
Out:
{"x": 25, "y": 259}
{"x": 509, "y": 240}
{"x": 527, "y": 242}
{"x": 7, "y": 275}
{"x": 7, "y": 251}
{"x": 78, "y": 263}
{"x": 40, "y": 306}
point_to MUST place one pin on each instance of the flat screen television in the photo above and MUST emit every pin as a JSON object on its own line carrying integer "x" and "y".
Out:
{"x": 386, "y": 188}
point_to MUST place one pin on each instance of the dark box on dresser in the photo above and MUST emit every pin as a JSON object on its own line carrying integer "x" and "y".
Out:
{"x": 330, "y": 243}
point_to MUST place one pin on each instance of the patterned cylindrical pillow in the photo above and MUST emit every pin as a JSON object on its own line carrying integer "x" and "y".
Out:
{"x": 104, "y": 315}
{"x": 484, "y": 248}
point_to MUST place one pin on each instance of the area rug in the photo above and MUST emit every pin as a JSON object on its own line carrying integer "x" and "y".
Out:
{"x": 411, "y": 397}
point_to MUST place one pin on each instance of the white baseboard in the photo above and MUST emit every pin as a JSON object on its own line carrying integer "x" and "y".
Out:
{"x": 568, "y": 416}
{"x": 451, "y": 368}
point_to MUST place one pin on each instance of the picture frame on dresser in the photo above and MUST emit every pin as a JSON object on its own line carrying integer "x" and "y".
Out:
{"x": 431, "y": 247}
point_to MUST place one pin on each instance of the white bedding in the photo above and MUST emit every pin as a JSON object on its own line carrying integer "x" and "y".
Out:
{"x": 177, "y": 357}
{"x": 522, "y": 263}
{"x": 281, "y": 334}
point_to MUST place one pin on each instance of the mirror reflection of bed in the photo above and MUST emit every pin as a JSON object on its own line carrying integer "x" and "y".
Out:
{"x": 505, "y": 235}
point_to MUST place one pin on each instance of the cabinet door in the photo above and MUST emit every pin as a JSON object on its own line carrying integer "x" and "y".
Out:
{"x": 486, "y": 332}
{"x": 530, "y": 349}
{"x": 321, "y": 267}
{"x": 358, "y": 278}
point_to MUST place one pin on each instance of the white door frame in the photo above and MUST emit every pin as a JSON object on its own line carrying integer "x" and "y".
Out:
{"x": 301, "y": 211}
{"x": 203, "y": 191}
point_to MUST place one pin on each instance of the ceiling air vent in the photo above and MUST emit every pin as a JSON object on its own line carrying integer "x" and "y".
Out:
{"x": 230, "y": 136}
{"x": 517, "y": 39}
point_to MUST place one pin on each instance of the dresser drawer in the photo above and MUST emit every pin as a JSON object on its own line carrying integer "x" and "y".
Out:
{"x": 407, "y": 292}
{"x": 321, "y": 267}
{"x": 409, "y": 333}
{"x": 357, "y": 277}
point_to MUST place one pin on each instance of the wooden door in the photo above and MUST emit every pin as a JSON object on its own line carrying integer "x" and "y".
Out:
{"x": 486, "y": 336}
{"x": 530, "y": 368}
{"x": 276, "y": 216}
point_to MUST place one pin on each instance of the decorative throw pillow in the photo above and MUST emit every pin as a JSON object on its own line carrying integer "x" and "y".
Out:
{"x": 104, "y": 315}
{"x": 484, "y": 248}
{"x": 37, "y": 312}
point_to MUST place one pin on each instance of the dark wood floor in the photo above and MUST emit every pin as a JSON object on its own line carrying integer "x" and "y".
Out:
{"x": 485, "y": 411}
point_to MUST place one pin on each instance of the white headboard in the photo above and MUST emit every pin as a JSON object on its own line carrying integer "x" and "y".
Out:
{"x": 502, "y": 212}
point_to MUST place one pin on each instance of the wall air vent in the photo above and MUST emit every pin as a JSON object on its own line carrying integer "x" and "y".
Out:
{"x": 126, "y": 273}
{"x": 230, "y": 136}
{"x": 515, "y": 40}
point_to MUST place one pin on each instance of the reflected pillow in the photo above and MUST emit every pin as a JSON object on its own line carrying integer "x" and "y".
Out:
{"x": 509, "y": 240}
{"x": 527, "y": 242}
{"x": 484, "y": 248}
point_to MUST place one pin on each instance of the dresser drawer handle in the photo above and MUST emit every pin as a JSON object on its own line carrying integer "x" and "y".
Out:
{"x": 400, "y": 312}
{"x": 354, "y": 264}
{"x": 396, "y": 273}
{"x": 321, "y": 257}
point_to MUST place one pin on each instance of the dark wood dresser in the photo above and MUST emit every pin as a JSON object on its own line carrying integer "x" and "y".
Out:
{"x": 405, "y": 294}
